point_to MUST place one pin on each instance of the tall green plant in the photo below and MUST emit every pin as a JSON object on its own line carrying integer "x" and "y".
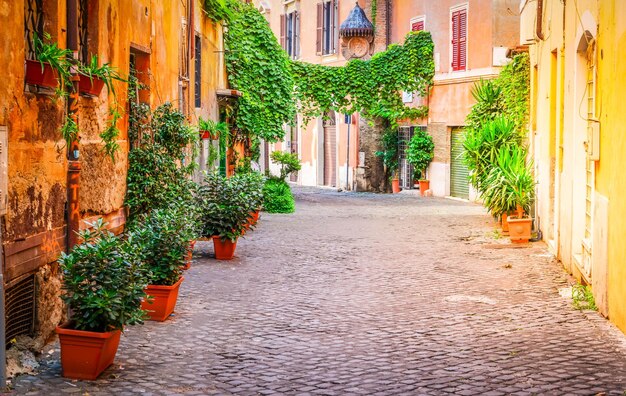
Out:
{"x": 420, "y": 152}
{"x": 389, "y": 151}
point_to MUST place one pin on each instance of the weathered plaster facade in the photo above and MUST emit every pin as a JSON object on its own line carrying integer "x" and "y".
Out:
{"x": 34, "y": 226}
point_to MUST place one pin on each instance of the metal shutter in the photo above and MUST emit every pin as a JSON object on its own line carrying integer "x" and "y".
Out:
{"x": 459, "y": 175}
{"x": 330, "y": 155}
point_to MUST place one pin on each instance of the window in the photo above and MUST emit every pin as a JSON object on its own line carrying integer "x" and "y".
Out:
{"x": 459, "y": 39}
{"x": 83, "y": 32}
{"x": 197, "y": 86}
{"x": 418, "y": 24}
{"x": 327, "y": 31}
{"x": 290, "y": 33}
{"x": 33, "y": 25}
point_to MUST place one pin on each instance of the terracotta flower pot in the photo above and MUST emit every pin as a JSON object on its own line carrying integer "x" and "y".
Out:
{"x": 395, "y": 186}
{"x": 505, "y": 223}
{"x": 224, "y": 250}
{"x": 90, "y": 86}
{"x": 520, "y": 229}
{"x": 189, "y": 255}
{"x": 35, "y": 75}
{"x": 204, "y": 134}
{"x": 424, "y": 185}
{"x": 163, "y": 300}
{"x": 86, "y": 354}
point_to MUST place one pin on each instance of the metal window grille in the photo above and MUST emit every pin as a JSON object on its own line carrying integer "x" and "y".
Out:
{"x": 33, "y": 25}
{"x": 20, "y": 308}
{"x": 83, "y": 32}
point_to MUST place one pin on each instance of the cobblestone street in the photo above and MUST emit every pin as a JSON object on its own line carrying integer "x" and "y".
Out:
{"x": 365, "y": 294}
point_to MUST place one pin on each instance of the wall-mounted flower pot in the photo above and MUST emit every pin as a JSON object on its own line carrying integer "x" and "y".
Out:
{"x": 520, "y": 229}
{"x": 395, "y": 185}
{"x": 163, "y": 300}
{"x": 189, "y": 255}
{"x": 90, "y": 86}
{"x": 86, "y": 354}
{"x": 43, "y": 77}
{"x": 224, "y": 249}
{"x": 424, "y": 185}
{"x": 207, "y": 135}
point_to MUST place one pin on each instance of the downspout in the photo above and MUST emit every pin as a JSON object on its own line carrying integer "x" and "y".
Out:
{"x": 73, "y": 169}
{"x": 388, "y": 23}
{"x": 539, "y": 31}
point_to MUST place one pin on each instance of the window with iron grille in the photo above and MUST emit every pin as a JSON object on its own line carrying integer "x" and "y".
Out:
{"x": 20, "y": 308}
{"x": 198, "y": 72}
{"x": 33, "y": 25}
{"x": 83, "y": 31}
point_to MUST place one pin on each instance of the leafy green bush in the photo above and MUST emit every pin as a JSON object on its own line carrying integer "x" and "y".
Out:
{"x": 277, "y": 197}
{"x": 104, "y": 280}
{"x": 288, "y": 162}
{"x": 389, "y": 151}
{"x": 420, "y": 152}
{"x": 224, "y": 206}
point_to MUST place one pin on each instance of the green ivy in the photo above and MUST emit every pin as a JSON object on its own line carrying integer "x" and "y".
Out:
{"x": 371, "y": 87}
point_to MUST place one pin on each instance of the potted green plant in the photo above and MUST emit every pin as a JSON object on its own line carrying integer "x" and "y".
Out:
{"x": 277, "y": 196}
{"x": 420, "y": 152}
{"x": 224, "y": 211}
{"x": 510, "y": 187}
{"x": 93, "y": 77}
{"x": 252, "y": 184}
{"x": 166, "y": 236}
{"x": 389, "y": 155}
{"x": 51, "y": 65}
{"x": 210, "y": 129}
{"x": 103, "y": 283}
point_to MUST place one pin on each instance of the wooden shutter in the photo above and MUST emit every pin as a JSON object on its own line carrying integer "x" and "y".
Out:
{"x": 283, "y": 31}
{"x": 296, "y": 52}
{"x": 455, "y": 40}
{"x": 334, "y": 31}
{"x": 417, "y": 26}
{"x": 462, "y": 39}
{"x": 320, "y": 27}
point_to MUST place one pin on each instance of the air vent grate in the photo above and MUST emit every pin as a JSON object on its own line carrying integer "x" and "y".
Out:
{"x": 20, "y": 308}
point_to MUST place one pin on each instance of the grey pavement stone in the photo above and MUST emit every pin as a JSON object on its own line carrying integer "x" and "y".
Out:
{"x": 364, "y": 294}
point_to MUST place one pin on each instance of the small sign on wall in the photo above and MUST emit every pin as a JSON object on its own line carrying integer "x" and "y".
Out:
{"x": 361, "y": 158}
{"x": 407, "y": 97}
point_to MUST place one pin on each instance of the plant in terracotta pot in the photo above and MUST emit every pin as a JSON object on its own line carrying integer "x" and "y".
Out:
{"x": 224, "y": 212}
{"x": 103, "y": 283}
{"x": 510, "y": 187}
{"x": 389, "y": 156}
{"x": 210, "y": 129}
{"x": 51, "y": 66}
{"x": 277, "y": 195}
{"x": 419, "y": 153}
{"x": 252, "y": 185}
{"x": 93, "y": 77}
{"x": 166, "y": 235}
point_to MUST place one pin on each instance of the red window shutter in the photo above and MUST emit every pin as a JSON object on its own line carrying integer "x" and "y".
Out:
{"x": 283, "y": 31}
{"x": 462, "y": 40}
{"x": 455, "y": 41}
{"x": 417, "y": 26}
{"x": 320, "y": 28}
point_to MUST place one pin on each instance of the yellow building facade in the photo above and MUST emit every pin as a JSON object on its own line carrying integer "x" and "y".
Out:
{"x": 576, "y": 139}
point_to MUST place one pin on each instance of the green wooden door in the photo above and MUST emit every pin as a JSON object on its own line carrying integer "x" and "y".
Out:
{"x": 459, "y": 182}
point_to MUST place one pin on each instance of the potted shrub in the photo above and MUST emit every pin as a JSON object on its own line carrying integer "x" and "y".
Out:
{"x": 224, "y": 212}
{"x": 277, "y": 196}
{"x": 252, "y": 184}
{"x": 510, "y": 187}
{"x": 93, "y": 77}
{"x": 51, "y": 66}
{"x": 103, "y": 283}
{"x": 210, "y": 129}
{"x": 389, "y": 155}
{"x": 166, "y": 236}
{"x": 419, "y": 153}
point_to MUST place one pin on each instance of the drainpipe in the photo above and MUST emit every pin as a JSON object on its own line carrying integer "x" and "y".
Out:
{"x": 539, "y": 31}
{"x": 3, "y": 358}
{"x": 73, "y": 170}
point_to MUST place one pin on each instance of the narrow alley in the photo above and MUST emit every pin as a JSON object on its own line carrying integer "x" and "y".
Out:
{"x": 359, "y": 293}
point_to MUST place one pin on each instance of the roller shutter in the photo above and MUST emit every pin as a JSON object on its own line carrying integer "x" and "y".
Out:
{"x": 459, "y": 182}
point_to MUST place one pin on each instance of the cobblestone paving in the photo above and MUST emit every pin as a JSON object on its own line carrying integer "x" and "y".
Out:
{"x": 360, "y": 294}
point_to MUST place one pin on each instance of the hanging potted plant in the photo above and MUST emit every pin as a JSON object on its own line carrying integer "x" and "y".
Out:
{"x": 93, "y": 77}
{"x": 510, "y": 187}
{"x": 103, "y": 283}
{"x": 419, "y": 153}
{"x": 167, "y": 235}
{"x": 389, "y": 155}
{"x": 209, "y": 129}
{"x": 225, "y": 212}
{"x": 51, "y": 65}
